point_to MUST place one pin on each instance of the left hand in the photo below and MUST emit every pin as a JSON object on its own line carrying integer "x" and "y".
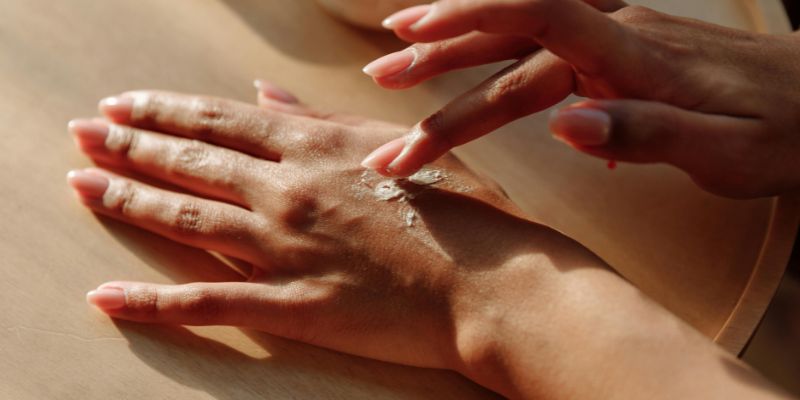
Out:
{"x": 404, "y": 279}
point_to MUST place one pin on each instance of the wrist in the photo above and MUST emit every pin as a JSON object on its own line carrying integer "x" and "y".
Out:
{"x": 514, "y": 310}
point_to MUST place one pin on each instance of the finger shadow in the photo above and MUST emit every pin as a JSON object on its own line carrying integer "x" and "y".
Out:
{"x": 303, "y": 30}
{"x": 180, "y": 263}
{"x": 288, "y": 370}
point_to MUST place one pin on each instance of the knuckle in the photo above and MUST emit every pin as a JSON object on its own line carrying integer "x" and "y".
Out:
{"x": 435, "y": 127}
{"x": 147, "y": 108}
{"x": 124, "y": 197}
{"x": 301, "y": 209}
{"x": 506, "y": 88}
{"x": 143, "y": 299}
{"x": 320, "y": 141}
{"x": 123, "y": 141}
{"x": 190, "y": 157}
{"x": 200, "y": 302}
{"x": 205, "y": 116}
{"x": 635, "y": 15}
{"x": 189, "y": 219}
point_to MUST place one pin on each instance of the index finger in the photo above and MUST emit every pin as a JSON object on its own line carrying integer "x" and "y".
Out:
{"x": 578, "y": 31}
{"x": 232, "y": 124}
{"x": 530, "y": 85}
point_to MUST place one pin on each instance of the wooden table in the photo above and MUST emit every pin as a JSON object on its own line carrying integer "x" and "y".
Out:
{"x": 714, "y": 262}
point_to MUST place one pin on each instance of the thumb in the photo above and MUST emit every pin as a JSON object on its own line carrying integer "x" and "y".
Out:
{"x": 707, "y": 146}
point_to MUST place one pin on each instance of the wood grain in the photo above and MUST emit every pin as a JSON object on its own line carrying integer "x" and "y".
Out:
{"x": 695, "y": 253}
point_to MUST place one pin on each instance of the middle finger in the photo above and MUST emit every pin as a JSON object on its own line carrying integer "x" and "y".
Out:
{"x": 199, "y": 167}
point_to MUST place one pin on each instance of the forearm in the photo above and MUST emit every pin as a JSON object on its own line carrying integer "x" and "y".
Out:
{"x": 590, "y": 334}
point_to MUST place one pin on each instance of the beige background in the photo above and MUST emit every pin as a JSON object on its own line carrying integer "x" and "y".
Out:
{"x": 60, "y": 57}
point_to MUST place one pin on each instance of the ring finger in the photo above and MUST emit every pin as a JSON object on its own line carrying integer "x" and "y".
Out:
{"x": 186, "y": 219}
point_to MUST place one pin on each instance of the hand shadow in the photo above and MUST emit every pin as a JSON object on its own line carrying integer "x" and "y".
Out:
{"x": 291, "y": 370}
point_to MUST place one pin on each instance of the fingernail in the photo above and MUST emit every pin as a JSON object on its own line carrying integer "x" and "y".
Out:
{"x": 581, "y": 126}
{"x": 383, "y": 155}
{"x": 88, "y": 133}
{"x": 107, "y": 298}
{"x": 88, "y": 184}
{"x": 401, "y": 166}
{"x": 272, "y": 91}
{"x": 391, "y": 64}
{"x": 118, "y": 108}
{"x": 406, "y": 17}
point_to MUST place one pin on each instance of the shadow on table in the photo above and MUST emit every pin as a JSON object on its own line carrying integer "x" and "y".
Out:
{"x": 291, "y": 370}
{"x": 179, "y": 262}
{"x": 303, "y": 30}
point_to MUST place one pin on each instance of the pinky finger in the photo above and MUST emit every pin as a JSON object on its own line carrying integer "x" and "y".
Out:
{"x": 226, "y": 303}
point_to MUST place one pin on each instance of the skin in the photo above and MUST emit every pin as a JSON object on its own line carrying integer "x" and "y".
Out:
{"x": 471, "y": 286}
{"x": 721, "y": 104}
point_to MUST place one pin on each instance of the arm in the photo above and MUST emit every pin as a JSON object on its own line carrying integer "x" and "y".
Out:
{"x": 590, "y": 334}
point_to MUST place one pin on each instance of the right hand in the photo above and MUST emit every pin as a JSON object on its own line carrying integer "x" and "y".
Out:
{"x": 721, "y": 104}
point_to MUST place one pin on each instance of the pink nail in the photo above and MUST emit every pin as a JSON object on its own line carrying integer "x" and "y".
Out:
{"x": 88, "y": 184}
{"x": 272, "y": 91}
{"x": 581, "y": 126}
{"x": 117, "y": 108}
{"x": 406, "y": 17}
{"x": 383, "y": 155}
{"x": 107, "y": 298}
{"x": 89, "y": 133}
{"x": 391, "y": 64}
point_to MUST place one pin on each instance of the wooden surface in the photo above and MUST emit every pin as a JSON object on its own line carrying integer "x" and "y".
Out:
{"x": 697, "y": 254}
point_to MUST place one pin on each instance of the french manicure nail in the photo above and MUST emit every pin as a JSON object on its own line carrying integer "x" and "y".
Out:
{"x": 391, "y": 64}
{"x": 89, "y": 133}
{"x": 272, "y": 91}
{"x": 401, "y": 165}
{"x": 88, "y": 184}
{"x": 118, "y": 108}
{"x": 379, "y": 158}
{"x": 107, "y": 298}
{"x": 406, "y": 17}
{"x": 581, "y": 126}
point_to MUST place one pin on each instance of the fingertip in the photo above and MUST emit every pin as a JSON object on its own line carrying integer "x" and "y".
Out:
{"x": 420, "y": 148}
{"x": 88, "y": 133}
{"x": 391, "y": 64}
{"x": 406, "y": 17}
{"x": 88, "y": 184}
{"x": 380, "y": 158}
{"x": 271, "y": 91}
{"x": 117, "y": 108}
{"x": 581, "y": 126}
{"x": 107, "y": 297}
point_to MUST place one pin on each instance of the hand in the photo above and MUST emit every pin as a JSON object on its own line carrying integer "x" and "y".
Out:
{"x": 402, "y": 277}
{"x": 719, "y": 103}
